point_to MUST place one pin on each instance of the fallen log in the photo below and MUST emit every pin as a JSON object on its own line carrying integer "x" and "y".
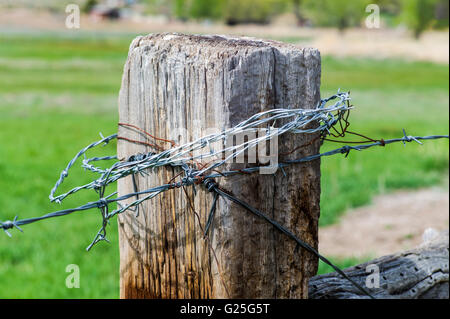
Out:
{"x": 420, "y": 273}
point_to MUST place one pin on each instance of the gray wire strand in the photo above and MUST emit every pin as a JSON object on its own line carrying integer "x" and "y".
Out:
{"x": 177, "y": 156}
{"x": 191, "y": 179}
{"x": 288, "y": 233}
{"x": 325, "y": 117}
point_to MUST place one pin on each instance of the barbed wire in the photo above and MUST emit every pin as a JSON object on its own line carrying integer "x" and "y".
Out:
{"x": 177, "y": 156}
{"x": 189, "y": 179}
{"x": 329, "y": 120}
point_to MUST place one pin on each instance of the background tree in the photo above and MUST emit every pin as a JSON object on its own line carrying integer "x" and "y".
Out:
{"x": 89, "y": 5}
{"x": 442, "y": 14}
{"x": 180, "y": 10}
{"x": 336, "y": 13}
{"x": 251, "y": 11}
{"x": 203, "y": 9}
{"x": 298, "y": 11}
{"x": 420, "y": 15}
{"x": 163, "y": 7}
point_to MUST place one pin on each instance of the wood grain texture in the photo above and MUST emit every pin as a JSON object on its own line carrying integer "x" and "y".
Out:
{"x": 174, "y": 81}
{"x": 420, "y": 273}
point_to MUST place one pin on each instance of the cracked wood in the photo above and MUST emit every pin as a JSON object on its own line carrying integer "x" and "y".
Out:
{"x": 174, "y": 81}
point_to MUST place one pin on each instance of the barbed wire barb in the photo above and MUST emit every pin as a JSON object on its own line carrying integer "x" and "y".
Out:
{"x": 329, "y": 120}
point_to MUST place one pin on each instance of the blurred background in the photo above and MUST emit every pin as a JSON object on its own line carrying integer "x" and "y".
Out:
{"x": 59, "y": 89}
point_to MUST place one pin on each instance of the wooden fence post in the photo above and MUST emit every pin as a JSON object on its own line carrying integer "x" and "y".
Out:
{"x": 174, "y": 81}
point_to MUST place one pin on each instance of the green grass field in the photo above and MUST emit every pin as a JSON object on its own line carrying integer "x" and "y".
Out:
{"x": 58, "y": 92}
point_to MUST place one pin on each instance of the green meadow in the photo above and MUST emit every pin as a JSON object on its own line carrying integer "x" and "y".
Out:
{"x": 57, "y": 92}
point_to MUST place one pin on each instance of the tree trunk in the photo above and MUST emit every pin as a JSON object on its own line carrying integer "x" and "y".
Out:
{"x": 174, "y": 81}
{"x": 413, "y": 274}
{"x": 298, "y": 12}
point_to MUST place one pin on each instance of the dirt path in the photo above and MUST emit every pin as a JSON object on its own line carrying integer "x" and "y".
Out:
{"x": 392, "y": 223}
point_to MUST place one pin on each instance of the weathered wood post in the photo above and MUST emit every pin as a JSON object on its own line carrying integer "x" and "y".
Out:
{"x": 198, "y": 82}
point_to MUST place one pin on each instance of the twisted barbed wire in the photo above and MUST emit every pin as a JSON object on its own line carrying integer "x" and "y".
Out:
{"x": 154, "y": 191}
{"x": 327, "y": 121}
{"x": 176, "y": 156}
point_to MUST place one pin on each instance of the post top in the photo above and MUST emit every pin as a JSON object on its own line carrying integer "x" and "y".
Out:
{"x": 222, "y": 42}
